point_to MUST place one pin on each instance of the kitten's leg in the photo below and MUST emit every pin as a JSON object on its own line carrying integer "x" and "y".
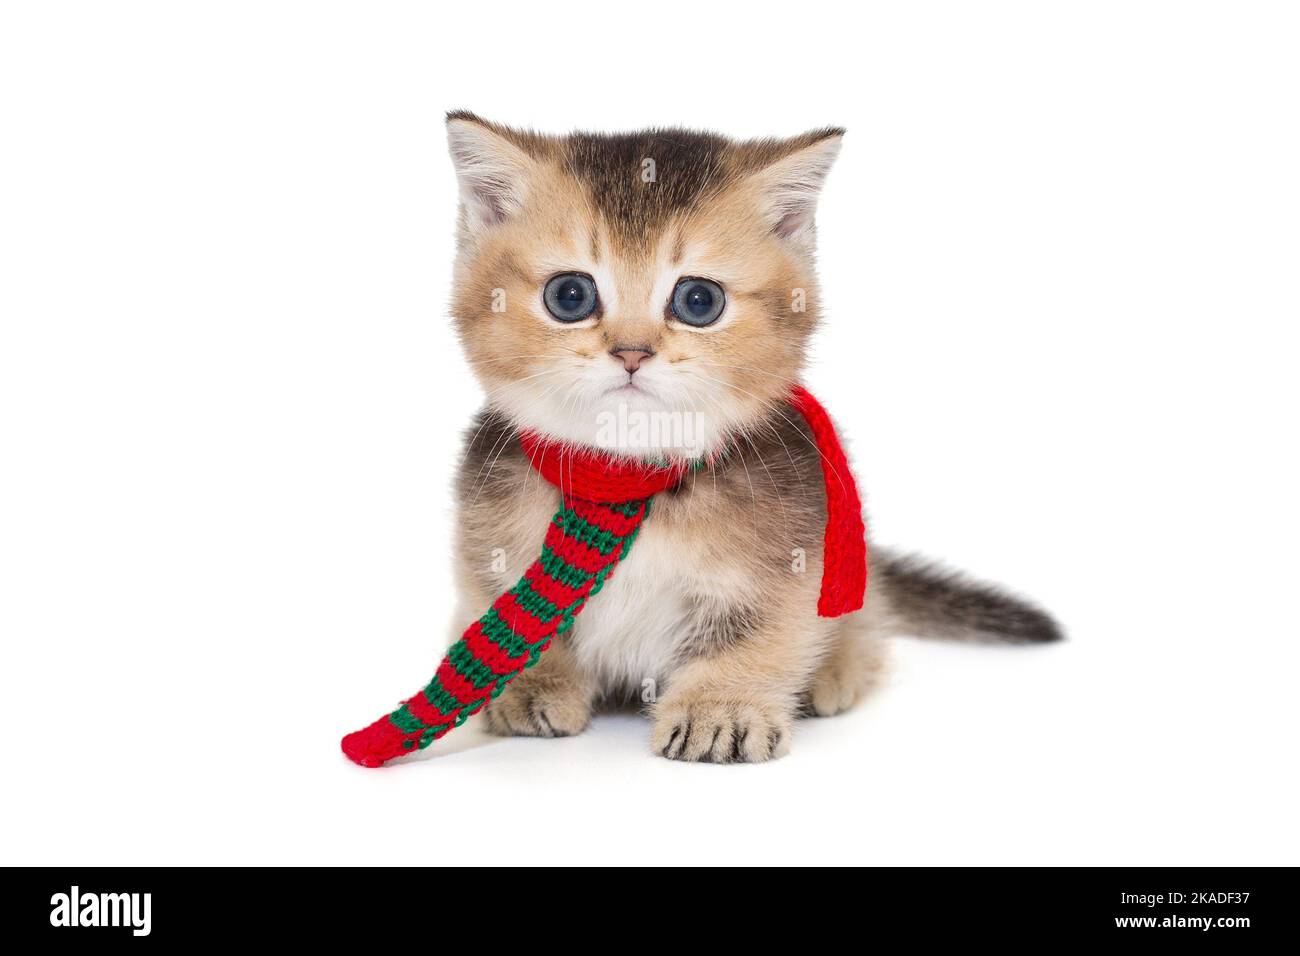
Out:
{"x": 739, "y": 702}
{"x": 853, "y": 664}
{"x": 551, "y": 699}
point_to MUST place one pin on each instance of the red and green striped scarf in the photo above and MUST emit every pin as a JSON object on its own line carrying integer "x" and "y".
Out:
{"x": 603, "y": 502}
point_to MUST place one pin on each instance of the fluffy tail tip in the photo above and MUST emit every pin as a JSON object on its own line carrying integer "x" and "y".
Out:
{"x": 934, "y": 601}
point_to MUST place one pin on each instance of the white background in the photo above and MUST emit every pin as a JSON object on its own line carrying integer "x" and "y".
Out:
{"x": 1060, "y": 254}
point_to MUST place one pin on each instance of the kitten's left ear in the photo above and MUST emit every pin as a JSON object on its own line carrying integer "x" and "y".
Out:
{"x": 492, "y": 169}
{"x": 790, "y": 183}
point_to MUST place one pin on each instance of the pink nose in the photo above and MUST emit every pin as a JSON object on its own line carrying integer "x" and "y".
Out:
{"x": 631, "y": 358}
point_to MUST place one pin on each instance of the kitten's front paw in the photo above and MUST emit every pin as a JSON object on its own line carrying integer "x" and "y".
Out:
{"x": 720, "y": 731}
{"x": 540, "y": 708}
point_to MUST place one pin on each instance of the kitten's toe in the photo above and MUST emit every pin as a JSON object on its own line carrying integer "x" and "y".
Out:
{"x": 720, "y": 731}
{"x": 548, "y": 710}
{"x": 833, "y": 693}
{"x": 847, "y": 674}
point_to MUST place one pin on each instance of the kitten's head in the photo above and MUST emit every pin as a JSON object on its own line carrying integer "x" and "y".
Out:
{"x": 652, "y": 292}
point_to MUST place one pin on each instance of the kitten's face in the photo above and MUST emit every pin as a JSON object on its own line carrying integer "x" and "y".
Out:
{"x": 650, "y": 293}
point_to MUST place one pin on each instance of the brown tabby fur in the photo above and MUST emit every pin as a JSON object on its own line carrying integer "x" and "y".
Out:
{"x": 711, "y": 620}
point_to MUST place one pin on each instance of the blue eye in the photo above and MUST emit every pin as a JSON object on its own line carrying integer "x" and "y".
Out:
{"x": 570, "y": 297}
{"x": 698, "y": 302}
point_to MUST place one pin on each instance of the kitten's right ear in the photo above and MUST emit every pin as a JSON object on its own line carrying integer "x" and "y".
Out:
{"x": 493, "y": 171}
{"x": 790, "y": 183}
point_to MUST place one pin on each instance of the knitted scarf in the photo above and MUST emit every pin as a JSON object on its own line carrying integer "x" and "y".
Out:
{"x": 603, "y": 502}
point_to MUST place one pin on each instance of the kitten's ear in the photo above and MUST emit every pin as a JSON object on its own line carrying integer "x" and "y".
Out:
{"x": 789, "y": 184}
{"x": 493, "y": 171}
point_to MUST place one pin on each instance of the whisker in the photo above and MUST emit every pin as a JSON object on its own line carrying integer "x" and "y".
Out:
{"x": 488, "y": 393}
{"x": 500, "y": 448}
{"x": 771, "y": 406}
{"x": 489, "y": 462}
{"x": 743, "y": 368}
{"x": 776, "y": 488}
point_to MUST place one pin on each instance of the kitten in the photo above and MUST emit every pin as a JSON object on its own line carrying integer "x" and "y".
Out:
{"x": 604, "y": 282}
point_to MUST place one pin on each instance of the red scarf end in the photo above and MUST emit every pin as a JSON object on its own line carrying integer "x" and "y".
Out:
{"x": 844, "y": 557}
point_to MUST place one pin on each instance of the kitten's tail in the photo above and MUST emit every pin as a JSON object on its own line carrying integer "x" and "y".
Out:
{"x": 927, "y": 600}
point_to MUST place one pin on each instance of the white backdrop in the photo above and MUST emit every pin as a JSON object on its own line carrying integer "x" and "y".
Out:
{"x": 230, "y": 402}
